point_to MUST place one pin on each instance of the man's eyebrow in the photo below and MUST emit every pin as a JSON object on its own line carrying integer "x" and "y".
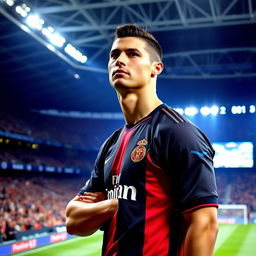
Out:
{"x": 128, "y": 49}
{"x": 132, "y": 49}
{"x": 115, "y": 50}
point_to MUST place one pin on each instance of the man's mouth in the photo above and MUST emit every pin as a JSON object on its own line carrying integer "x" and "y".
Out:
{"x": 119, "y": 72}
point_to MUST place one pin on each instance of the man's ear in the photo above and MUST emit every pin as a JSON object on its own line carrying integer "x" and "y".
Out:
{"x": 157, "y": 68}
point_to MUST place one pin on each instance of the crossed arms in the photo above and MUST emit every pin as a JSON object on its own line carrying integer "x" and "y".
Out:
{"x": 86, "y": 214}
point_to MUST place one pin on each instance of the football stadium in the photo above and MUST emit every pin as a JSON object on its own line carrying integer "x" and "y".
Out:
{"x": 57, "y": 108}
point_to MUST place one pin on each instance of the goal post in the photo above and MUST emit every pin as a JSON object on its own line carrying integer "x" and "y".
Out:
{"x": 233, "y": 214}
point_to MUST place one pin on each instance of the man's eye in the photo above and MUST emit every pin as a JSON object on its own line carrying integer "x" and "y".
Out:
{"x": 114, "y": 55}
{"x": 133, "y": 54}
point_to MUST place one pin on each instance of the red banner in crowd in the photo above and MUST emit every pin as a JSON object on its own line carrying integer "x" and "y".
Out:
{"x": 58, "y": 237}
{"x": 23, "y": 246}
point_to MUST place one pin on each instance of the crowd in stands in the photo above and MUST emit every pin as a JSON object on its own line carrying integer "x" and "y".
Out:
{"x": 65, "y": 130}
{"x": 34, "y": 202}
{"x": 244, "y": 190}
{"x": 37, "y": 201}
{"x": 49, "y": 157}
{"x": 92, "y": 132}
{"x": 222, "y": 182}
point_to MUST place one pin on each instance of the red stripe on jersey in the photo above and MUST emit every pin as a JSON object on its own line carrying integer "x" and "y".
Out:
{"x": 200, "y": 206}
{"x": 112, "y": 245}
{"x": 157, "y": 212}
{"x": 117, "y": 163}
{"x": 111, "y": 248}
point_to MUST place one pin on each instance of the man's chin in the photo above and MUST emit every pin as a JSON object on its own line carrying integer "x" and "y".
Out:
{"x": 119, "y": 84}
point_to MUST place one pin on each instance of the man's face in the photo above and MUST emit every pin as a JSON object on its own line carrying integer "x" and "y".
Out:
{"x": 129, "y": 63}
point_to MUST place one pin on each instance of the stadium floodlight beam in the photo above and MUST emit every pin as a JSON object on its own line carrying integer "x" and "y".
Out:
{"x": 10, "y": 2}
{"x": 191, "y": 111}
{"x": 73, "y": 52}
{"x": 34, "y": 21}
{"x": 21, "y": 11}
{"x": 54, "y": 38}
{"x": 47, "y": 31}
{"x": 24, "y": 27}
{"x": 25, "y": 8}
{"x": 42, "y": 40}
{"x": 57, "y": 40}
{"x": 51, "y": 47}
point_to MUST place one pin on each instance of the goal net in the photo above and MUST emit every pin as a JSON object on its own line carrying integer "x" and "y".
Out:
{"x": 233, "y": 214}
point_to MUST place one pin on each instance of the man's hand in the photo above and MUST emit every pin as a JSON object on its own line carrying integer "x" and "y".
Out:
{"x": 88, "y": 212}
{"x": 89, "y": 197}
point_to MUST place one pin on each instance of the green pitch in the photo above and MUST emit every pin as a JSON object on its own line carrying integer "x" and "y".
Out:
{"x": 233, "y": 240}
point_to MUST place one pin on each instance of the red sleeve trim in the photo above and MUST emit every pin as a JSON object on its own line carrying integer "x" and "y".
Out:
{"x": 201, "y": 206}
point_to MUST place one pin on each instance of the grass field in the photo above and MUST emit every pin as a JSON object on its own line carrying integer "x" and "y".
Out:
{"x": 233, "y": 240}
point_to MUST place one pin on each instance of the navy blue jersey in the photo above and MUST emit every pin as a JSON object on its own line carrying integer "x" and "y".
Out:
{"x": 158, "y": 169}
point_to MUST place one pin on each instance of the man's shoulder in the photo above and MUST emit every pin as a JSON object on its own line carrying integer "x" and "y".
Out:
{"x": 171, "y": 123}
{"x": 171, "y": 116}
{"x": 169, "y": 119}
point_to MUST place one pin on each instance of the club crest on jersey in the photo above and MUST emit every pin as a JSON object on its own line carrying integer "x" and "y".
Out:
{"x": 140, "y": 151}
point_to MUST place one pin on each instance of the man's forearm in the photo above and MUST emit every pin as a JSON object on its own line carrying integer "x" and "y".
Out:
{"x": 201, "y": 233}
{"x": 83, "y": 219}
{"x": 200, "y": 241}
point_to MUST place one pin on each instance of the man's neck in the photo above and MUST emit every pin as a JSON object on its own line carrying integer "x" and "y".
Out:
{"x": 138, "y": 104}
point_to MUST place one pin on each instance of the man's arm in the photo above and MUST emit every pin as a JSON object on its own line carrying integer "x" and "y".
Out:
{"x": 86, "y": 214}
{"x": 202, "y": 229}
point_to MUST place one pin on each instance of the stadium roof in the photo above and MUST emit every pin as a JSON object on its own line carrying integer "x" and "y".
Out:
{"x": 209, "y": 51}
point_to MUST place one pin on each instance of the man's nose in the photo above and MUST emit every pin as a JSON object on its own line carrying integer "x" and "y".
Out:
{"x": 121, "y": 60}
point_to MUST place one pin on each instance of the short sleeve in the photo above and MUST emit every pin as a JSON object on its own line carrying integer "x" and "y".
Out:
{"x": 188, "y": 157}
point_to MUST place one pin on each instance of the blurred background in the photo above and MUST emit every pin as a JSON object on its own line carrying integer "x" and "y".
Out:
{"x": 57, "y": 107}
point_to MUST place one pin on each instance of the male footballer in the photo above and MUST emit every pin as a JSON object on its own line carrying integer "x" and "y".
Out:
{"x": 152, "y": 189}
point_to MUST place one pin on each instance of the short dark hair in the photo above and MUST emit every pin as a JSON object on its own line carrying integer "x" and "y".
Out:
{"x": 135, "y": 31}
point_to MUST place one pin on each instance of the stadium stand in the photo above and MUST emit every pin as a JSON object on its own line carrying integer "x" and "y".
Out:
{"x": 34, "y": 201}
{"x": 74, "y": 131}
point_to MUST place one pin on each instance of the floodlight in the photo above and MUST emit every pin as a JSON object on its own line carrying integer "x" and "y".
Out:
{"x": 54, "y": 38}
{"x": 76, "y": 76}
{"x": 24, "y": 27}
{"x": 21, "y": 11}
{"x": 50, "y": 47}
{"x": 73, "y": 52}
{"x": 25, "y": 7}
{"x": 57, "y": 39}
{"x": 34, "y": 21}
{"x": 9, "y": 2}
{"x": 48, "y": 31}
